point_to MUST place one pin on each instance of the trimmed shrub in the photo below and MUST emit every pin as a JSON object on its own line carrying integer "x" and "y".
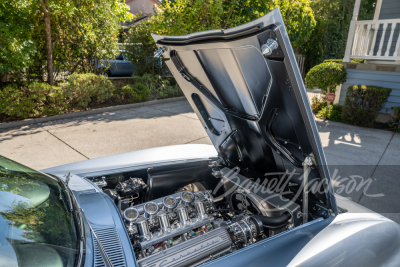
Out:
{"x": 326, "y": 75}
{"x": 33, "y": 100}
{"x": 317, "y": 103}
{"x": 83, "y": 89}
{"x": 334, "y": 113}
{"x": 363, "y": 103}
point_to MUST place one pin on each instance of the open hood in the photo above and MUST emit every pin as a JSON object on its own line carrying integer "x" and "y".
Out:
{"x": 246, "y": 88}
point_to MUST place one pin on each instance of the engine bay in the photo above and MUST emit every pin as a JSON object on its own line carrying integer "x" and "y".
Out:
{"x": 195, "y": 224}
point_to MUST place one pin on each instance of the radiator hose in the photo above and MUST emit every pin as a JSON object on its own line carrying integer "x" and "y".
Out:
{"x": 274, "y": 222}
{"x": 268, "y": 222}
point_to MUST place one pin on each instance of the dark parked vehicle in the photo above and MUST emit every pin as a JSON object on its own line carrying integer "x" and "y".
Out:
{"x": 191, "y": 205}
{"x": 120, "y": 66}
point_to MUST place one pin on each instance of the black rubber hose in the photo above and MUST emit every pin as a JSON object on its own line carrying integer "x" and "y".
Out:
{"x": 268, "y": 222}
{"x": 275, "y": 221}
{"x": 227, "y": 210}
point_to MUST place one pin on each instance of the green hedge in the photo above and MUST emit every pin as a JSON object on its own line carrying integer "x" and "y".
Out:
{"x": 363, "y": 103}
{"x": 32, "y": 100}
{"x": 41, "y": 99}
{"x": 79, "y": 92}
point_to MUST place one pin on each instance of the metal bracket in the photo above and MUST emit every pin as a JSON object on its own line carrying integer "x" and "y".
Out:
{"x": 158, "y": 53}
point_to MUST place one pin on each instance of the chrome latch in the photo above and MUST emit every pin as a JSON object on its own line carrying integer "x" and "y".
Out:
{"x": 267, "y": 48}
{"x": 158, "y": 53}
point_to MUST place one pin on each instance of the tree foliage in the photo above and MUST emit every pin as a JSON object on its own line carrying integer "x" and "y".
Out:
{"x": 325, "y": 76}
{"x": 16, "y": 42}
{"x": 81, "y": 30}
{"x": 329, "y": 37}
{"x": 182, "y": 17}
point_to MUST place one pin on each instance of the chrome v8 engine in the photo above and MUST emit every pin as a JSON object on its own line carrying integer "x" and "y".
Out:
{"x": 180, "y": 230}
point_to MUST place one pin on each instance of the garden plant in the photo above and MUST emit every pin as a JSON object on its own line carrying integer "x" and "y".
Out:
{"x": 326, "y": 76}
{"x": 363, "y": 104}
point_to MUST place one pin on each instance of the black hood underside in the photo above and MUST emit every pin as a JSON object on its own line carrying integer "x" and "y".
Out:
{"x": 254, "y": 108}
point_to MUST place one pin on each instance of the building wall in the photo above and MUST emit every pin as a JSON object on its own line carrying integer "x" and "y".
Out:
{"x": 378, "y": 78}
{"x": 144, "y": 6}
{"x": 390, "y": 9}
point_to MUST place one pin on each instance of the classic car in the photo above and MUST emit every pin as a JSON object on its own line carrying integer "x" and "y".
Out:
{"x": 120, "y": 66}
{"x": 260, "y": 196}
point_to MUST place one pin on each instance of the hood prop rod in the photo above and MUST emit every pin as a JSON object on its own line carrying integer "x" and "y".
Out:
{"x": 204, "y": 91}
{"x": 307, "y": 163}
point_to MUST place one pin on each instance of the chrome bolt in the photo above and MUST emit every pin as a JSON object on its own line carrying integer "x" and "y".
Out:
{"x": 271, "y": 45}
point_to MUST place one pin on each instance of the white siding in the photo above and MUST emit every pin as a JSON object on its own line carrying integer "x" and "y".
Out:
{"x": 390, "y": 9}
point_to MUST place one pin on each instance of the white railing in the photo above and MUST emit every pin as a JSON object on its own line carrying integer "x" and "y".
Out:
{"x": 366, "y": 44}
{"x": 363, "y": 41}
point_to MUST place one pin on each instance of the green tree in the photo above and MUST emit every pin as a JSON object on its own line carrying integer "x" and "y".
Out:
{"x": 329, "y": 37}
{"x": 326, "y": 76}
{"x": 182, "y": 17}
{"x": 16, "y": 42}
{"x": 299, "y": 20}
{"x": 57, "y": 36}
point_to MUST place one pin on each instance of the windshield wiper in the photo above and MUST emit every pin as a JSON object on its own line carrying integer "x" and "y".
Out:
{"x": 103, "y": 253}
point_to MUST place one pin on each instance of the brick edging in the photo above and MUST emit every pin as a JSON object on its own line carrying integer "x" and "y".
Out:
{"x": 25, "y": 122}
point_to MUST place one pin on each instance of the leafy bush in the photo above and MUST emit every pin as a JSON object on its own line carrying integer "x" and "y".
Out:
{"x": 334, "y": 113}
{"x": 395, "y": 123}
{"x": 36, "y": 99}
{"x": 317, "y": 103}
{"x": 136, "y": 93}
{"x": 326, "y": 75}
{"x": 82, "y": 89}
{"x": 158, "y": 86}
{"x": 363, "y": 103}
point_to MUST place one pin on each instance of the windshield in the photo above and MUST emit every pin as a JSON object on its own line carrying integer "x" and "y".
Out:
{"x": 36, "y": 226}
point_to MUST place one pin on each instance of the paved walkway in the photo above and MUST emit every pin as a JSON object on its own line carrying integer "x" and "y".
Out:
{"x": 353, "y": 153}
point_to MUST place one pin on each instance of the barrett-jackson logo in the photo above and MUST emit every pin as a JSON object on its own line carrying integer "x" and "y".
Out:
{"x": 182, "y": 256}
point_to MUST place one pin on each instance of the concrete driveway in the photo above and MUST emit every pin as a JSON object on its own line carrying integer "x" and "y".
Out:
{"x": 363, "y": 158}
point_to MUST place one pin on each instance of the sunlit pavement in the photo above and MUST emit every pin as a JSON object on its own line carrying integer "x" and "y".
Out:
{"x": 354, "y": 154}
